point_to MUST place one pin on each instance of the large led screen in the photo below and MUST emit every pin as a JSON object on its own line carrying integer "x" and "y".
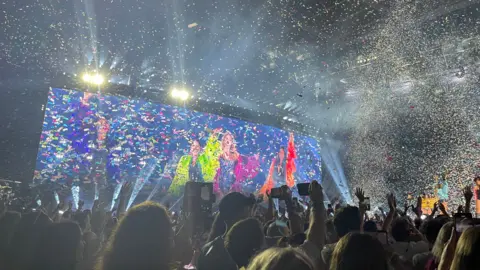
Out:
{"x": 89, "y": 138}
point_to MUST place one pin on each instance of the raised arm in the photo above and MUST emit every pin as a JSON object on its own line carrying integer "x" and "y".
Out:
{"x": 296, "y": 225}
{"x": 316, "y": 230}
{"x": 392, "y": 204}
{"x": 361, "y": 206}
{"x": 468, "y": 195}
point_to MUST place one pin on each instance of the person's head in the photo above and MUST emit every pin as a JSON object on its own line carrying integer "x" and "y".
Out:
{"x": 281, "y": 259}
{"x": 59, "y": 247}
{"x": 142, "y": 239}
{"x": 281, "y": 153}
{"x": 83, "y": 220}
{"x": 441, "y": 240}
{"x": 359, "y": 251}
{"x": 25, "y": 238}
{"x": 476, "y": 180}
{"x": 195, "y": 148}
{"x": 346, "y": 219}
{"x": 233, "y": 207}
{"x": 431, "y": 228}
{"x": 242, "y": 248}
{"x": 467, "y": 253}
{"x": 227, "y": 140}
{"x": 278, "y": 229}
{"x": 370, "y": 226}
{"x": 400, "y": 230}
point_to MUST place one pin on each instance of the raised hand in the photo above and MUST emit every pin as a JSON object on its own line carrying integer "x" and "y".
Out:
{"x": 360, "y": 194}
{"x": 418, "y": 207}
{"x": 442, "y": 208}
{"x": 467, "y": 193}
{"x": 392, "y": 202}
{"x": 435, "y": 207}
{"x": 316, "y": 192}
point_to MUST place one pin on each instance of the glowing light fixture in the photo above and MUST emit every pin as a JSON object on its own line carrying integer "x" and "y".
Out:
{"x": 180, "y": 94}
{"x": 95, "y": 78}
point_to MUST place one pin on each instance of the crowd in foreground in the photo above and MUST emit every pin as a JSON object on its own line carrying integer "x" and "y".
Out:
{"x": 147, "y": 237}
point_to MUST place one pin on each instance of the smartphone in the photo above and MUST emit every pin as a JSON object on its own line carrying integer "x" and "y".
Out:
{"x": 366, "y": 202}
{"x": 303, "y": 189}
{"x": 462, "y": 221}
{"x": 276, "y": 193}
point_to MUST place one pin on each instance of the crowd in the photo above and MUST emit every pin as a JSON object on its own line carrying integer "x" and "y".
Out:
{"x": 243, "y": 235}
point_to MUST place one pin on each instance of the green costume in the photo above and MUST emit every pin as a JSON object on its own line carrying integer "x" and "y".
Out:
{"x": 208, "y": 162}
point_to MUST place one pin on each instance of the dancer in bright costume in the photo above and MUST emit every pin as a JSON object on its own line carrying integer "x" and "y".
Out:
{"x": 281, "y": 169}
{"x": 197, "y": 166}
{"x": 234, "y": 168}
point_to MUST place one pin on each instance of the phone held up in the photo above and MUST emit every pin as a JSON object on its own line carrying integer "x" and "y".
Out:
{"x": 302, "y": 189}
{"x": 366, "y": 203}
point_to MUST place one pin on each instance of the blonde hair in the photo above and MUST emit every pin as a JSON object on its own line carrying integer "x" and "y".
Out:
{"x": 467, "y": 253}
{"x": 442, "y": 239}
{"x": 359, "y": 251}
{"x": 281, "y": 259}
{"x": 228, "y": 133}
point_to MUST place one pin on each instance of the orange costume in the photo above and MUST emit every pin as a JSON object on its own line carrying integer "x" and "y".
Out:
{"x": 290, "y": 169}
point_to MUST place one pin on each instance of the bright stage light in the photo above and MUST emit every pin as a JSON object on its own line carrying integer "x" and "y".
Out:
{"x": 96, "y": 78}
{"x": 180, "y": 94}
{"x": 86, "y": 77}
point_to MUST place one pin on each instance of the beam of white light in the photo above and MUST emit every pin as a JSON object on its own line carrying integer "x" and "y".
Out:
{"x": 116, "y": 193}
{"x": 96, "y": 191}
{"x": 142, "y": 178}
{"x": 166, "y": 171}
{"x": 334, "y": 167}
{"x": 75, "y": 195}
{"x": 57, "y": 199}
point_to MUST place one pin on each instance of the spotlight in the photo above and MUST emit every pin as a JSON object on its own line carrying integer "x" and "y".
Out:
{"x": 96, "y": 78}
{"x": 86, "y": 77}
{"x": 180, "y": 94}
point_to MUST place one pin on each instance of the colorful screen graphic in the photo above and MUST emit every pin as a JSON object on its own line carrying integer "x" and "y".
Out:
{"x": 89, "y": 138}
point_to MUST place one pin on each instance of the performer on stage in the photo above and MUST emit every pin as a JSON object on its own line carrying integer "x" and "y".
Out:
{"x": 442, "y": 188}
{"x": 197, "y": 166}
{"x": 281, "y": 169}
{"x": 234, "y": 168}
{"x": 476, "y": 194}
{"x": 103, "y": 127}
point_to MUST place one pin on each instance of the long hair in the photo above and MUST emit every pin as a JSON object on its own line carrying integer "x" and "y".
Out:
{"x": 218, "y": 228}
{"x": 467, "y": 253}
{"x": 233, "y": 146}
{"x": 281, "y": 259}
{"x": 442, "y": 238}
{"x": 357, "y": 251}
{"x": 142, "y": 240}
